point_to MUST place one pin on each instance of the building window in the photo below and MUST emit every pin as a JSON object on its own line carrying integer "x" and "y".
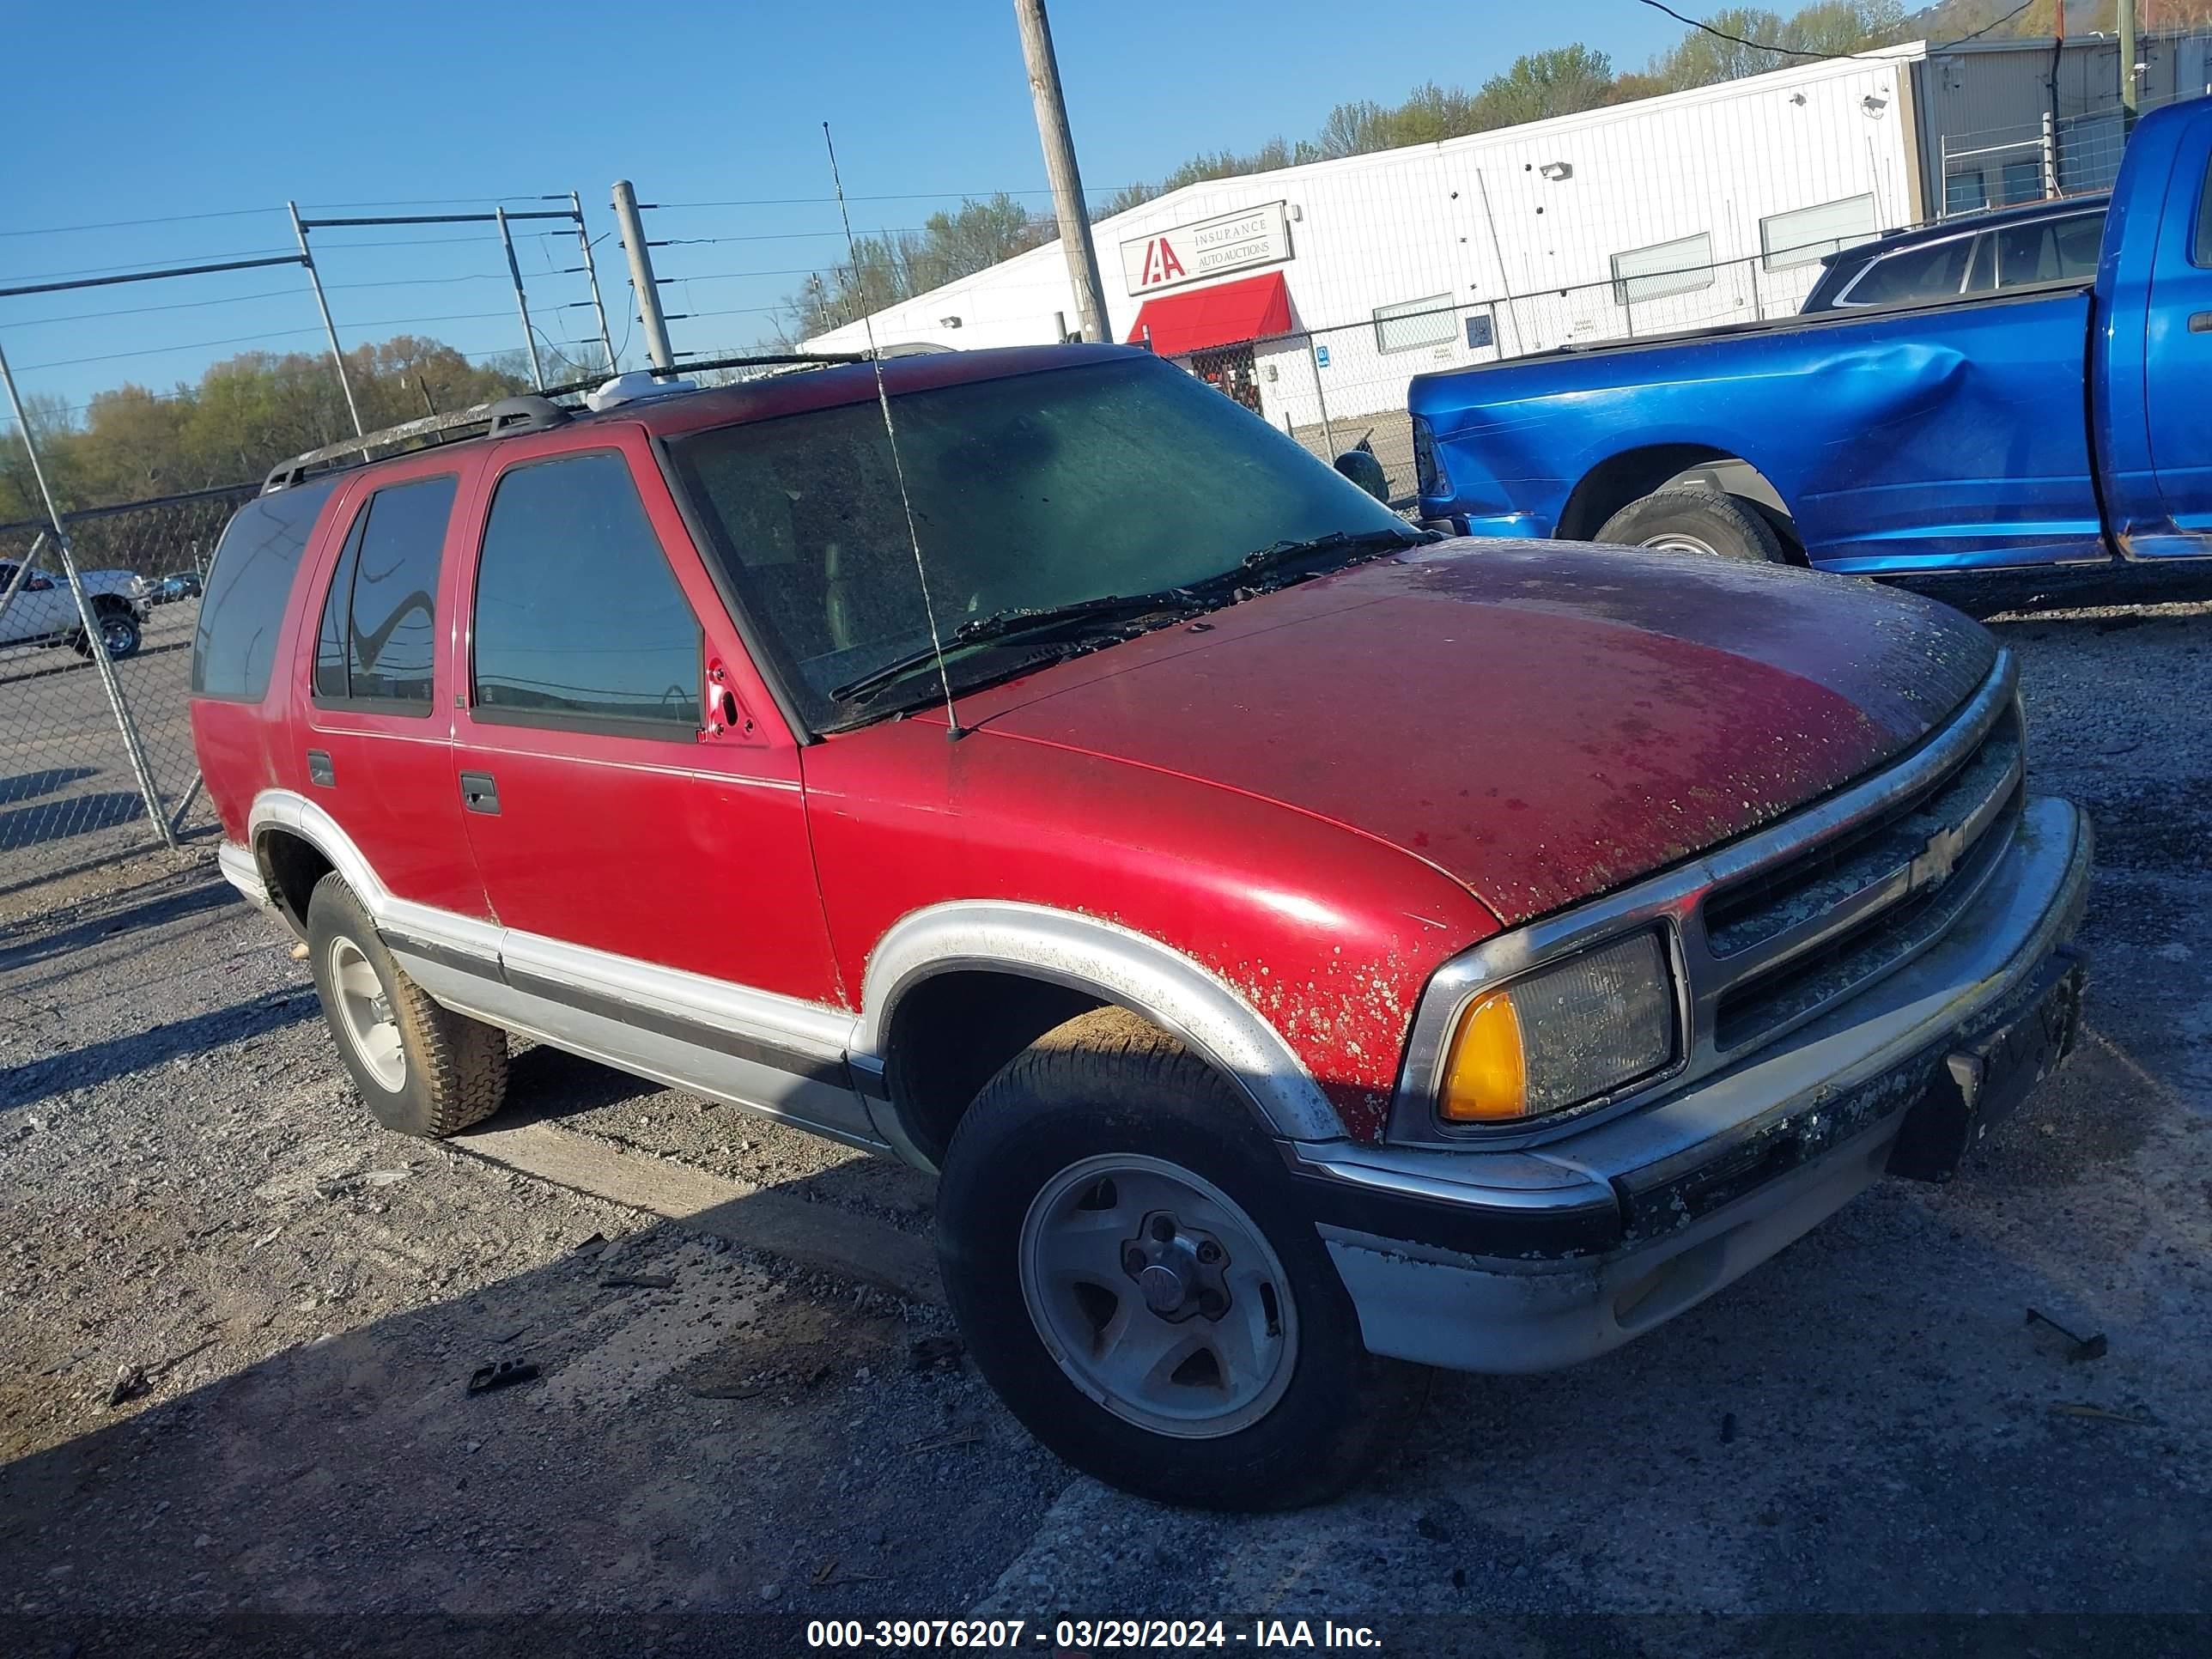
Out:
{"x": 2023, "y": 181}
{"x": 1412, "y": 324}
{"x": 1965, "y": 193}
{"x": 1681, "y": 266}
{"x": 1805, "y": 236}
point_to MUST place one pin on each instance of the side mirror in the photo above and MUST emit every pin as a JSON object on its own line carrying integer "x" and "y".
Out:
{"x": 1362, "y": 469}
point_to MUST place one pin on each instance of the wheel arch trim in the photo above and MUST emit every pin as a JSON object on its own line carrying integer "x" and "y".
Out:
{"x": 1116, "y": 965}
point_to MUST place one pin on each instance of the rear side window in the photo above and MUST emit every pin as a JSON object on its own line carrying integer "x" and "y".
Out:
{"x": 377, "y": 642}
{"x": 579, "y": 621}
{"x": 1934, "y": 272}
{"x": 2049, "y": 251}
{"x": 247, "y": 589}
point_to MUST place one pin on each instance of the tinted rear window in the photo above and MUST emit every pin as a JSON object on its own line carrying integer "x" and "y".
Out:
{"x": 379, "y": 631}
{"x": 235, "y": 645}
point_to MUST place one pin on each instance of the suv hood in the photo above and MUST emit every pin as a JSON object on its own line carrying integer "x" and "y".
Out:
{"x": 1542, "y": 721}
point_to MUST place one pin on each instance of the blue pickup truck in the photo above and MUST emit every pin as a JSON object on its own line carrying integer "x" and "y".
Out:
{"x": 2066, "y": 424}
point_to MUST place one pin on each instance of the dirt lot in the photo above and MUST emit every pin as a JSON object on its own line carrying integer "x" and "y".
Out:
{"x": 240, "y": 1321}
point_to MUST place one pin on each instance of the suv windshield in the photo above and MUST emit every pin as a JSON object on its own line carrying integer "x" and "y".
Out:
{"x": 1030, "y": 493}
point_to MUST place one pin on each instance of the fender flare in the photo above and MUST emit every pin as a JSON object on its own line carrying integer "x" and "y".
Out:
{"x": 1114, "y": 963}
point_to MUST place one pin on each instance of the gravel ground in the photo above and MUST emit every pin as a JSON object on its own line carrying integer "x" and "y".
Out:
{"x": 288, "y": 1303}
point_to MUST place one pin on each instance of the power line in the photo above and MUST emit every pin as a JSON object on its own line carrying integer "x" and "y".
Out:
{"x": 787, "y": 236}
{"x": 126, "y": 224}
{"x": 149, "y": 264}
{"x": 141, "y": 311}
{"x": 1829, "y": 57}
{"x": 274, "y": 334}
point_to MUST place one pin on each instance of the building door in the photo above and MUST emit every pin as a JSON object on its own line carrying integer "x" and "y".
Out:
{"x": 1231, "y": 369}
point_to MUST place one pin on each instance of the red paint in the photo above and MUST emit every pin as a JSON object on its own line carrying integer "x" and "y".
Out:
{"x": 1318, "y": 797}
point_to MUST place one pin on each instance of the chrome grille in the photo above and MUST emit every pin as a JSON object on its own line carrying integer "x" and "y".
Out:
{"x": 1794, "y": 937}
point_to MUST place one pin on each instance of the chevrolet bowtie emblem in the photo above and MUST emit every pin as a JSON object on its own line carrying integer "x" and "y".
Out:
{"x": 1935, "y": 861}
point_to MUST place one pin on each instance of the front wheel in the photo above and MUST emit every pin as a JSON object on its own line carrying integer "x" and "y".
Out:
{"x": 118, "y": 630}
{"x": 1123, "y": 1256}
{"x": 1696, "y": 518}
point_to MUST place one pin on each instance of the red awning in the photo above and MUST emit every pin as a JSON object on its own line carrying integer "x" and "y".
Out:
{"x": 1250, "y": 308}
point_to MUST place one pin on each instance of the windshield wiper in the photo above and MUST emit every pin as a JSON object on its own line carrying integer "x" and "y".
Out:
{"x": 1016, "y": 620}
{"x": 1276, "y": 555}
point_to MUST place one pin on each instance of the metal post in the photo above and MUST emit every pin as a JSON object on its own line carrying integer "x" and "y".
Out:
{"x": 2129, "y": 93}
{"x": 1320, "y": 398}
{"x": 2049, "y": 155}
{"x": 591, "y": 275}
{"x": 1059, "y": 168}
{"x": 22, "y": 574}
{"x": 521, "y": 304}
{"x": 95, "y": 644}
{"x": 315, "y": 279}
{"x": 640, "y": 277}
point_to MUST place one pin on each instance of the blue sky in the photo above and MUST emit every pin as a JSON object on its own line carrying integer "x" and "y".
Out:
{"x": 140, "y": 112}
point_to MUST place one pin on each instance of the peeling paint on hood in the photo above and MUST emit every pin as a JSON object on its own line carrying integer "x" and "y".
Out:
{"x": 1543, "y": 722}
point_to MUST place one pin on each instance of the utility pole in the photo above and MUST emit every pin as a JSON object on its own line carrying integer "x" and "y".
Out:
{"x": 2128, "y": 93}
{"x": 1059, "y": 168}
{"x": 640, "y": 277}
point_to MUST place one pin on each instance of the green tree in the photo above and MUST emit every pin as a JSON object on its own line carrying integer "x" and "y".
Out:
{"x": 1564, "y": 81}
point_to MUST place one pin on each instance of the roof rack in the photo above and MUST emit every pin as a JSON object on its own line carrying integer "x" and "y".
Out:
{"x": 531, "y": 411}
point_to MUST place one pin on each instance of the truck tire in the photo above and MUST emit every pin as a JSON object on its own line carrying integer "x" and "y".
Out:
{"x": 1696, "y": 518}
{"x": 1127, "y": 1264}
{"x": 118, "y": 630}
{"x": 422, "y": 1069}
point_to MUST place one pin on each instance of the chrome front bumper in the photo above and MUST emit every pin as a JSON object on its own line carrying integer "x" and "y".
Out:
{"x": 1526, "y": 1260}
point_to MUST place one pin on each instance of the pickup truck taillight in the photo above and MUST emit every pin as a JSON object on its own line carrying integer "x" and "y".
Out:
{"x": 1428, "y": 477}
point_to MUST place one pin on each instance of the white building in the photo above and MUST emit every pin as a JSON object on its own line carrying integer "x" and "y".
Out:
{"x": 1314, "y": 293}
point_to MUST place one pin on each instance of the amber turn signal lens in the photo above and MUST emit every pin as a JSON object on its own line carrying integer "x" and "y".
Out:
{"x": 1562, "y": 1035}
{"x": 1488, "y": 1080}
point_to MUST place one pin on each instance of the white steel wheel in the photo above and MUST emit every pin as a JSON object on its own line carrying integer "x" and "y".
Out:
{"x": 1157, "y": 1297}
{"x": 365, "y": 1016}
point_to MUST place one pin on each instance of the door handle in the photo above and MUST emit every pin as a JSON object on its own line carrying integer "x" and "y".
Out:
{"x": 2200, "y": 322}
{"x": 480, "y": 792}
{"x": 319, "y": 770}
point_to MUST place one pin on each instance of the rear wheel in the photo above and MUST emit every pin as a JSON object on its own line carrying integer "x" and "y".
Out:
{"x": 1122, "y": 1255}
{"x": 422, "y": 1069}
{"x": 1696, "y": 518}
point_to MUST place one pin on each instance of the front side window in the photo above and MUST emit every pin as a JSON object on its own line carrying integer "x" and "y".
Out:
{"x": 579, "y": 621}
{"x": 2050, "y": 251}
{"x": 1119, "y": 479}
{"x": 377, "y": 641}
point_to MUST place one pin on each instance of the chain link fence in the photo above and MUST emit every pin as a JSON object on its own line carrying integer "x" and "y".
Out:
{"x": 95, "y": 734}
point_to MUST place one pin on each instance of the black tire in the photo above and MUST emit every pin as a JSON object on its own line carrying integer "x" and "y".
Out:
{"x": 1109, "y": 1083}
{"x": 455, "y": 1067}
{"x": 118, "y": 625}
{"x": 1696, "y": 518}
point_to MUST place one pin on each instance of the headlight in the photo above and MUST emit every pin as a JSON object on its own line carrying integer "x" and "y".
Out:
{"x": 1561, "y": 1035}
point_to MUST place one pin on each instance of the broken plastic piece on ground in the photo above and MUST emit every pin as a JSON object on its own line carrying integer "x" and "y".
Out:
{"x": 504, "y": 1375}
{"x": 2084, "y": 1347}
{"x": 638, "y": 1282}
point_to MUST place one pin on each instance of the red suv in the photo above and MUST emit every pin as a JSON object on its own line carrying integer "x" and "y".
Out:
{"x": 1296, "y": 942}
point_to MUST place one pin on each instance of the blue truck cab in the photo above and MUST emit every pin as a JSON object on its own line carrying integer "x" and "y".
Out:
{"x": 2064, "y": 424}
